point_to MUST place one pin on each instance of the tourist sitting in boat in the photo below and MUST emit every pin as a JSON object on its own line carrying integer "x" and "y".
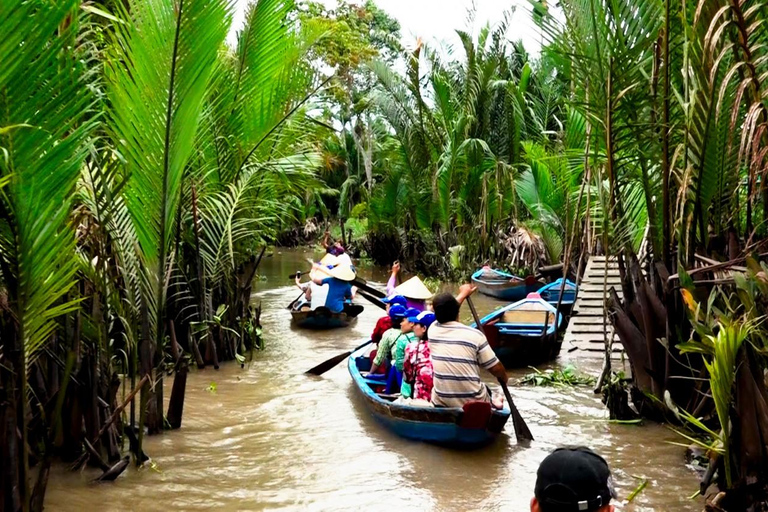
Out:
{"x": 338, "y": 279}
{"x": 384, "y": 352}
{"x": 573, "y": 479}
{"x": 385, "y": 323}
{"x": 457, "y": 354}
{"x": 406, "y": 337}
{"x": 417, "y": 365}
{"x": 413, "y": 289}
{"x": 314, "y": 294}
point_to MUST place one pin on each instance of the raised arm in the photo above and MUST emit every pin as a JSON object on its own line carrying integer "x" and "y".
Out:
{"x": 392, "y": 283}
{"x": 465, "y": 291}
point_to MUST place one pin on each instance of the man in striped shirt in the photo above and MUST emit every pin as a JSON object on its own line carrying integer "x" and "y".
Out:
{"x": 458, "y": 353}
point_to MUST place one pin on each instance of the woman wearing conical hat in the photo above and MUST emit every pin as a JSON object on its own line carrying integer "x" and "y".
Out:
{"x": 414, "y": 290}
{"x": 337, "y": 276}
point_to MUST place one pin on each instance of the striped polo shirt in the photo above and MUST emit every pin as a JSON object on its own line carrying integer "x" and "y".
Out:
{"x": 458, "y": 352}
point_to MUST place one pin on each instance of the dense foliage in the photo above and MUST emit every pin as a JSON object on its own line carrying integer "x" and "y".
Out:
{"x": 145, "y": 165}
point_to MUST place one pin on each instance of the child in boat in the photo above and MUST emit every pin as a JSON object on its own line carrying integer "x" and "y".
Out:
{"x": 417, "y": 366}
{"x": 398, "y": 351}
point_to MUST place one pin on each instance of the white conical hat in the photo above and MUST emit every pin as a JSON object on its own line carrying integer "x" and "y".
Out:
{"x": 414, "y": 288}
{"x": 343, "y": 272}
{"x": 328, "y": 260}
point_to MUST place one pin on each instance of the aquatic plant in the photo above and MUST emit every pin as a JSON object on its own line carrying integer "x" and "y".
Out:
{"x": 563, "y": 377}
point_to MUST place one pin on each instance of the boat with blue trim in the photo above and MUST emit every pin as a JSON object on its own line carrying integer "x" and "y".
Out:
{"x": 551, "y": 294}
{"x": 475, "y": 425}
{"x": 524, "y": 333}
{"x": 502, "y": 285}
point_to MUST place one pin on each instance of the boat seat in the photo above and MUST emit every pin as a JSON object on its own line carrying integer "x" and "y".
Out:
{"x": 475, "y": 414}
{"x": 390, "y": 398}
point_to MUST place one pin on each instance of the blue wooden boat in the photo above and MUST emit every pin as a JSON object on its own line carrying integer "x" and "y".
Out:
{"x": 504, "y": 286}
{"x": 524, "y": 333}
{"x": 322, "y": 317}
{"x": 473, "y": 426}
{"x": 551, "y": 294}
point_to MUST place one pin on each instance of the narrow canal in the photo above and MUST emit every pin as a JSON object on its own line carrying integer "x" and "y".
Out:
{"x": 267, "y": 437}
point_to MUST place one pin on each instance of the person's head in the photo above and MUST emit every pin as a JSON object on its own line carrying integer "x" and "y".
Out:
{"x": 422, "y": 323}
{"x": 446, "y": 308}
{"x": 394, "y": 299}
{"x": 573, "y": 478}
{"x": 411, "y": 315}
{"x": 397, "y": 314}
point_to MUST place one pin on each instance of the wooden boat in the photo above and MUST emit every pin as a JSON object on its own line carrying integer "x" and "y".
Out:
{"x": 323, "y": 318}
{"x": 474, "y": 425}
{"x": 524, "y": 333}
{"x": 551, "y": 294}
{"x": 504, "y": 286}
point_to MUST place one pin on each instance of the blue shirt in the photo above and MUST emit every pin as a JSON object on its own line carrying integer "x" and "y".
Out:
{"x": 338, "y": 290}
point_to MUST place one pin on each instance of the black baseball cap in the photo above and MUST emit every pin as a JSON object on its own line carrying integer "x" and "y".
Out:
{"x": 574, "y": 479}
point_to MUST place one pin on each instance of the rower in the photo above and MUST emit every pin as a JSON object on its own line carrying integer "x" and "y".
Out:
{"x": 338, "y": 278}
{"x": 414, "y": 290}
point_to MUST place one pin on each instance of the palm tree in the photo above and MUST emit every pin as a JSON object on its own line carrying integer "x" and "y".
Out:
{"x": 47, "y": 104}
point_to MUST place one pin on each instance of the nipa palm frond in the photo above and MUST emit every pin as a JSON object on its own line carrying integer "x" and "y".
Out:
{"x": 45, "y": 101}
{"x": 157, "y": 83}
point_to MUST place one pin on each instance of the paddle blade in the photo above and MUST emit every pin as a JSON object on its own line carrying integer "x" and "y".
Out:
{"x": 327, "y": 365}
{"x": 522, "y": 432}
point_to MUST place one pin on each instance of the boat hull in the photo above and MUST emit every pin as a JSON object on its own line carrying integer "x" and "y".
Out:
{"x": 551, "y": 294}
{"x": 323, "y": 318}
{"x": 510, "y": 289}
{"x": 437, "y": 425}
{"x": 515, "y": 351}
{"x": 524, "y": 333}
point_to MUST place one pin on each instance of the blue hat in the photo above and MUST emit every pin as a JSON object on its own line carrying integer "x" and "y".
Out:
{"x": 395, "y": 299}
{"x": 411, "y": 314}
{"x": 397, "y": 311}
{"x": 425, "y": 318}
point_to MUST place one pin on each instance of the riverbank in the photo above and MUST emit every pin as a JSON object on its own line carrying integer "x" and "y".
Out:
{"x": 266, "y": 437}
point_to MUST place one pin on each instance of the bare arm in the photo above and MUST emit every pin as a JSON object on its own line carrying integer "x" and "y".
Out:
{"x": 465, "y": 291}
{"x": 499, "y": 372}
{"x": 392, "y": 283}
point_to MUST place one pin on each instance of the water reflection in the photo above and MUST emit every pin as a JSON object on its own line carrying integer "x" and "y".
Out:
{"x": 270, "y": 438}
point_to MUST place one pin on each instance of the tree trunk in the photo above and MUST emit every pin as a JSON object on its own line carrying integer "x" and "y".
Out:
{"x": 176, "y": 403}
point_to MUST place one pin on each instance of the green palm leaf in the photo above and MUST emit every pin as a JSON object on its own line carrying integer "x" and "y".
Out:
{"x": 157, "y": 83}
{"x": 44, "y": 93}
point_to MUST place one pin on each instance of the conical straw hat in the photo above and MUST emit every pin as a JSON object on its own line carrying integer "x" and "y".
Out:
{"x": 327, "y": 261}
{"x": 343, "y": 272}
{"x": 414, "y": 289}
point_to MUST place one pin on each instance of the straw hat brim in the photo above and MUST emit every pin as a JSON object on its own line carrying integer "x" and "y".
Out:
{"x": 342, "y": 272}
{"x": 329, "y": 259}
{"x": 414, "y": 288}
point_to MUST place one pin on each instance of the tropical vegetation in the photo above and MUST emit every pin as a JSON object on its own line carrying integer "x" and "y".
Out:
{"x": 145, "y": 165}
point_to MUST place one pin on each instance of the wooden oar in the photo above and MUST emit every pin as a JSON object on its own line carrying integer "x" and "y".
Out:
{"x": 330, "y": 363}
{"x": 290, "y": 306}
{"x": 373, "y": 300}
{"x": 522, "y": 432}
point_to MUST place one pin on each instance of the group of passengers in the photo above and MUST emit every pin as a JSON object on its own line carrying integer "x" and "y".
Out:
{"x": 329, "y": 285}
{"x": 429, "y": 355}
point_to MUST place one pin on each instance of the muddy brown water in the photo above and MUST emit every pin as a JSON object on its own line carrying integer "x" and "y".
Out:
{"x": 267, "y": 437}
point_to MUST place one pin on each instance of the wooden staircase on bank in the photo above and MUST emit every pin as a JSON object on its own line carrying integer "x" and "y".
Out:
{"x": 587, "y": 330}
